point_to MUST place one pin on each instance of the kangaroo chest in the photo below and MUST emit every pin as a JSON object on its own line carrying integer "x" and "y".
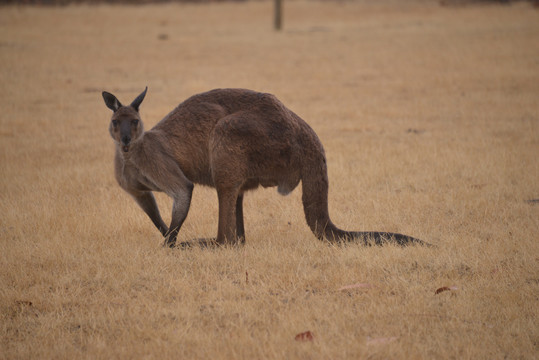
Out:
{"x": 131, "y": 178}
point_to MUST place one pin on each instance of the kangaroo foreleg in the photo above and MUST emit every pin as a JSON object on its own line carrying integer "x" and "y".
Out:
{"x": 164, "y": 174}
{"x": 180, "y": 208}
{"x": 146, "y": 201}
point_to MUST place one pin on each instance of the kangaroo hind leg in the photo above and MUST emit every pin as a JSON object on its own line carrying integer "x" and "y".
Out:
{"x": 227, "y": 229}
{"x": 240, "y": 229}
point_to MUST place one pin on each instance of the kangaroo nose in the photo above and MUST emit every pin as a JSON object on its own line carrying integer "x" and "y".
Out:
{"x": 126, "y": 140}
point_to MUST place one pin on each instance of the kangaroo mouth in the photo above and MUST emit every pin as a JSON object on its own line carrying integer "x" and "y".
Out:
{"x": 125, "y": 148}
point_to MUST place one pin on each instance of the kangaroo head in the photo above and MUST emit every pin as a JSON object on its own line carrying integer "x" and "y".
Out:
{"x": 125, "y": 125}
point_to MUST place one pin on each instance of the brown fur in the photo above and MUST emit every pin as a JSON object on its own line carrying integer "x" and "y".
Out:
{"x": 233, "y": 140}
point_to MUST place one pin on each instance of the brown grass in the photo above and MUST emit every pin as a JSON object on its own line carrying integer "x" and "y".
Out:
{"x": 430, "y": 119}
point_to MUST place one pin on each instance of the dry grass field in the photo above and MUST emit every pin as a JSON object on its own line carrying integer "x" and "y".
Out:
{"x": 430, "y": 120}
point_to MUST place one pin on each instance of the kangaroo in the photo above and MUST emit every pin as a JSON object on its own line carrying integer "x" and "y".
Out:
{"x": 233, "y": 140}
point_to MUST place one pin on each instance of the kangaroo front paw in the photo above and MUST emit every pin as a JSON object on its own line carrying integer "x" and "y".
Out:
{"x": 169, "y": 244}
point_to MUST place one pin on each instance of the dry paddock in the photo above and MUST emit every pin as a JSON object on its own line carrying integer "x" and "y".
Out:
{"x": 430, "y": 120}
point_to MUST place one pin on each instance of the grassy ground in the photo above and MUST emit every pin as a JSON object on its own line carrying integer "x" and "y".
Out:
{"x": 430, "y": 120}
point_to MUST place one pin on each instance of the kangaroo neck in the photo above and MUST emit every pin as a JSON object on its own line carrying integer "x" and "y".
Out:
{"x": 133, "y": 150}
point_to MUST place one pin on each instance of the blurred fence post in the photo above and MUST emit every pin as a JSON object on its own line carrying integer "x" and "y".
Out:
{"x": 278, "y": 15}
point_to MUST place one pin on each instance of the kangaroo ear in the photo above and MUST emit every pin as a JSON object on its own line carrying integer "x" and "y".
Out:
{"x": 111, "y": 101}
{"x": 136, "y": 103}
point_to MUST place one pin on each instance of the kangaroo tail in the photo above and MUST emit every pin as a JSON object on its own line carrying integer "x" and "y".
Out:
{"x": 315, "y": 204}
{"x": 381, "y": 238}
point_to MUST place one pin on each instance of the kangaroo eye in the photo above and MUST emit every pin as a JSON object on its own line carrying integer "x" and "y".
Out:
{"x": 134, "y": 122}
{"x": 114, "y": 123}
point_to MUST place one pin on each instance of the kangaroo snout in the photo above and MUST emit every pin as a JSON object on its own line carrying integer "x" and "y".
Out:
{"x": 126, "y": 139}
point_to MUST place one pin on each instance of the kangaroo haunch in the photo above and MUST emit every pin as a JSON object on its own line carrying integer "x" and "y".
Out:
{"x": 233, "y": 140}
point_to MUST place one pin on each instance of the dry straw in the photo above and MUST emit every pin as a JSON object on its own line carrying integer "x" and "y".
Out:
{"x": 430, "y": 120}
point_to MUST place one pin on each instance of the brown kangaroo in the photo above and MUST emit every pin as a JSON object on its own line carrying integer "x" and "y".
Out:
{"x": 233, "y": 140}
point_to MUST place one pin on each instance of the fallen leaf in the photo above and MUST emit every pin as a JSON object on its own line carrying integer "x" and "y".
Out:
{"x": 442, "y": 289}
{"x": 445, "y": 288}
{"x": 381, "y": 340}
{"x": 356, "y": 286}
{"x": 304, "y": 336}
